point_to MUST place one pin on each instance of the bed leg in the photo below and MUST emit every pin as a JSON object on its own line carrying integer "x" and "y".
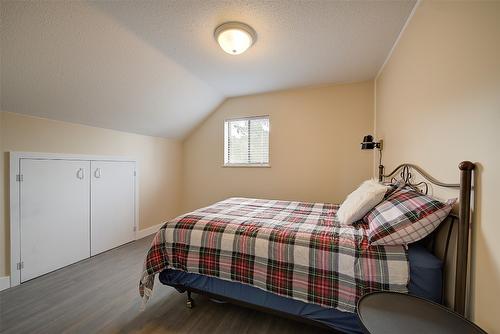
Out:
{"x": 190, "y": 301}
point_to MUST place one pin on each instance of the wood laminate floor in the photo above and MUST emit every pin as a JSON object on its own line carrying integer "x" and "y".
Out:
{"x": 99, "y": 295}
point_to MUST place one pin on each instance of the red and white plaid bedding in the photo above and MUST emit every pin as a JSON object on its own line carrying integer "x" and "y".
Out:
{"x": 292, "y": 249}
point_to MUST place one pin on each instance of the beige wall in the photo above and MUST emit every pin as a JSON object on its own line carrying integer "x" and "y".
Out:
{"x": 314, "y": 143}
{"x": 4, "y": 239}
{"x": 159, "y": 161}
{"x": 438, "y": 102}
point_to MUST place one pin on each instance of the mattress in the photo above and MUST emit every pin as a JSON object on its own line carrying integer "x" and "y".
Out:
{"x": 293, "y": 249}
{"x": 425, "y": 281}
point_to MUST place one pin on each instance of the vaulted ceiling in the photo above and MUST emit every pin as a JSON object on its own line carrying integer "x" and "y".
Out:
{"x": 153, "y": 67}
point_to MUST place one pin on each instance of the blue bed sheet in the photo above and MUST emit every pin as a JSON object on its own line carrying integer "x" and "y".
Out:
{"x": 425, "y": 281}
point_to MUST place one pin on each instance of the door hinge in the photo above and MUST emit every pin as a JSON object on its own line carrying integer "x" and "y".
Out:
{"x": 19, "y": 177}
{"x": 20, "y": 265}
{"x": 135, "y": 173}
{"x": 135, "y": 228}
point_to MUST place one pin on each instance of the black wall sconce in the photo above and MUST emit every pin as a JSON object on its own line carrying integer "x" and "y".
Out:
{"x": 369, "y": 144}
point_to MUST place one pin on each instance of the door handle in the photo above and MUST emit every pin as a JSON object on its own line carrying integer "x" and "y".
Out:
{"x": 98, "y": 173}
{"x": 80, "y": 174}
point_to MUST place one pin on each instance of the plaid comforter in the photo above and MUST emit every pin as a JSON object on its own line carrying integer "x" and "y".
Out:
{"x": 292, "y": 249}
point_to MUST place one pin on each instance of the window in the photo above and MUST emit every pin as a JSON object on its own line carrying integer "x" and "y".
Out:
{"x": 246, "y": 141}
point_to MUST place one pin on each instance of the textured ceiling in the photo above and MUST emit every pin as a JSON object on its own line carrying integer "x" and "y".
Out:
{"x": 153, "y": 67}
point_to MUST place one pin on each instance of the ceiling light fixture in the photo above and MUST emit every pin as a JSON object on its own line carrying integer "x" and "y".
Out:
{"x": 235, "y": 37}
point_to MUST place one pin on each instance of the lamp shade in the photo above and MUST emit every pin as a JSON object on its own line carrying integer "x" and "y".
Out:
{"x": 368, "y": 143}
{"x": 368, "y": 139}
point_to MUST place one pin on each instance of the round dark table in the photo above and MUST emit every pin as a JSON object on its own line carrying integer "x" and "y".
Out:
{"x": 392, "y": 312}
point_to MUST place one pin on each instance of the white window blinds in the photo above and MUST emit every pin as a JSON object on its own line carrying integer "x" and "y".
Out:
{"x": 246, "y": 141}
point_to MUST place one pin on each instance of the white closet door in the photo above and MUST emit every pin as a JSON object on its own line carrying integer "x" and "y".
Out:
{"x": 112, "y": 204}
{"x": 54, "y": 214}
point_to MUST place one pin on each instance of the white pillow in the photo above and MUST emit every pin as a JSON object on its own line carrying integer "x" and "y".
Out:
{"x": 360, "y": 201}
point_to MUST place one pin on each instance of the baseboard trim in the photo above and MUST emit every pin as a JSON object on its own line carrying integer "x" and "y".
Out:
{"x": 148, "y": 231}
{"x": 4, "y": 282}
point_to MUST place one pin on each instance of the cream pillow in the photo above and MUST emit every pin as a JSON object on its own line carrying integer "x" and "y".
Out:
{"x": 360, "y": 201}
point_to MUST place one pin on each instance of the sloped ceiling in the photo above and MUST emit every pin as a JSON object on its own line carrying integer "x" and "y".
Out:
{"x": 153, "y": 67}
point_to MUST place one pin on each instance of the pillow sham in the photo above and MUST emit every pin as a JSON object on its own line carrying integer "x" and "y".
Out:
{"x": 404, "y": 217}
{"x": 360, "y": 201}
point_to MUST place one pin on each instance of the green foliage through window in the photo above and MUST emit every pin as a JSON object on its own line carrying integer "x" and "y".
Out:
{"x": 246, "y": 141}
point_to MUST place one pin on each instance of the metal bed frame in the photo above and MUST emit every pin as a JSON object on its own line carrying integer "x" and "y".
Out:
{"x": 457, "y": 224}
{"x": 441, "y": 242}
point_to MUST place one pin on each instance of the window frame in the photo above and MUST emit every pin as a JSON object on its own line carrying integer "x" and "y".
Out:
{"x": 245, "y": 165}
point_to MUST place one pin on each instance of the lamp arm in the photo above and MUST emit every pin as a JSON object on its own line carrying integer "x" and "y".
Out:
{"x": 380, "y": 166}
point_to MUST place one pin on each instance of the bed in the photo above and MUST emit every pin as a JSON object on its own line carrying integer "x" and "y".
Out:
{"x": 293, "y": 259}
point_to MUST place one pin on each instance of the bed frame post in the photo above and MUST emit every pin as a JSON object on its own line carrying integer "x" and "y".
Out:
{"x": 189, "y": 301}
{"x": 464, "y": 216}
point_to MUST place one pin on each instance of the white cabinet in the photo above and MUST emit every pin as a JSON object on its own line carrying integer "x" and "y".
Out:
{"x": 66, "y": 208}
{"x": 113, "y": 204}
{"x": 54, "y": 215}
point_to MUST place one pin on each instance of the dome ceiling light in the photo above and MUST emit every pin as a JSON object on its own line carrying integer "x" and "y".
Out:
{"x": 235, "y": 37}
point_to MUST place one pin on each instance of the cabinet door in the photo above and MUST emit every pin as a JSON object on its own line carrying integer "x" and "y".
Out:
{"x": 54, "y": 214}
{"x": 112, "y": 204}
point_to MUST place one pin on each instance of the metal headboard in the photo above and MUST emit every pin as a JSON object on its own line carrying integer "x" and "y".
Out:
{"x": 406, "y": 173}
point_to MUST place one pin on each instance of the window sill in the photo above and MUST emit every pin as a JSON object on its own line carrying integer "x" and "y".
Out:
{"x": 247, "y": 165}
